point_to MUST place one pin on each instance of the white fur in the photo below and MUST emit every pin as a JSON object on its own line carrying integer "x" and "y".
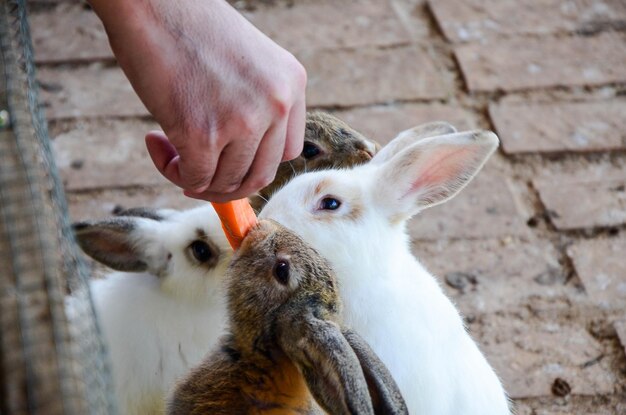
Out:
{"x": 389, "y": 297}
{"x": 159, "y": 324}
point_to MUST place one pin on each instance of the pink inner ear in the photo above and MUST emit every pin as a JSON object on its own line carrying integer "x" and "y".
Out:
{"x": 440, "y": 168}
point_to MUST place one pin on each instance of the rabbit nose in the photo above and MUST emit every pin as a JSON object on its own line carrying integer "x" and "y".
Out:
{"x": 365, "y": 154}
{"x": 366, "y": 149}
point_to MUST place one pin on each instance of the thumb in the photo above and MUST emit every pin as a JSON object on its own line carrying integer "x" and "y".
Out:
{"x": 164, "y": 156}
{"x": 188, "y": 167}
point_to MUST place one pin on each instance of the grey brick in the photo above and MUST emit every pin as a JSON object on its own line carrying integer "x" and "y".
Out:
{"x": 528, "y": 127}
{"x": 370, "y": 76}
{"x": 601, "y": 265}
{"x": 527, "y": 63}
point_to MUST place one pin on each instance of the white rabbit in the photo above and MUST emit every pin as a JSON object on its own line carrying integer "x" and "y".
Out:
{"x": 357, "y": 219}
{"x": 166, "y": 310}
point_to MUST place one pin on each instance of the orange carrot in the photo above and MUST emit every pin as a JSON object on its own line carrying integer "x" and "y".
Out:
{"x": 237, "y": 219}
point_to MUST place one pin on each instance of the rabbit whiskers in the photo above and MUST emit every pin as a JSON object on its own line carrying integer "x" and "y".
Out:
{"x": 293, "y": 169}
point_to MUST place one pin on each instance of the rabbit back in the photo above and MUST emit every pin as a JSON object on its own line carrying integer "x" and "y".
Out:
{"x": 226, "y": 384}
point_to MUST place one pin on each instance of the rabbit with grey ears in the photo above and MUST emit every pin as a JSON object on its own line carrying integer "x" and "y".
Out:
{"x": 328, "y": 143}
{"x": 285, "y": 342}
{"x": 164, "y": 307}
{"x": 357, "y": 220}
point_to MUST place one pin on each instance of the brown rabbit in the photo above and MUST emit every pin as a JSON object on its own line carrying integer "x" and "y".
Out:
{"x": 328, "y": 143}
{"x": 285, "y": 342}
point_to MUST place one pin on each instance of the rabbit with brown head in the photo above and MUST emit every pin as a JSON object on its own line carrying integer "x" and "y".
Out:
{"x": 285, "y": 342}
{"x": 328, "y": 143}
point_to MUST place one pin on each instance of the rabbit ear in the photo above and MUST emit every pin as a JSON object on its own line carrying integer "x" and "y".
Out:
{"x": 411, "y": 136}
{"x": 330, "y": 367}
{"x": 431, "y": 171}
{"x": 385, "y": 394}
{"x": 112, "y": 243}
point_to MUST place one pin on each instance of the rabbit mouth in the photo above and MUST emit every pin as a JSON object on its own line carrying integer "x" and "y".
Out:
{"x": 370, "y": 148}
{"x": 258, "y": 233}
{"x": 364, "y": 150}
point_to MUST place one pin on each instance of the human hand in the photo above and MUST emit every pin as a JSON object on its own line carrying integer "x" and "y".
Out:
{"x": 231, "y": 102}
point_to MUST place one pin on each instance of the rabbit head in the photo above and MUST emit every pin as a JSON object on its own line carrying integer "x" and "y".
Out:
{"x": 328, "y": 143}
{"x": 272, "y": 268}
{"x": 186, "y": 250}
{"x": 341, "y": 212}
{"x": 282, "y": 298}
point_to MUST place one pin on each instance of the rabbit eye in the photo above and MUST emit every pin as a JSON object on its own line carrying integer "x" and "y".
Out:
{"x": 281, "y": 272}
{"x": 329, "y": 203}
{"x": 310, "y": 150}
{"x": 201, "y": 251}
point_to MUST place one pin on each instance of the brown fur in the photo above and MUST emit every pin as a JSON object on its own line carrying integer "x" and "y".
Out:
{"x": 285, "y": 343}
{"x": 321, "y": 186}
{"x": 341, "y": 147}
{"x": 249, "y": 373}
{"x": 242, "y": 385}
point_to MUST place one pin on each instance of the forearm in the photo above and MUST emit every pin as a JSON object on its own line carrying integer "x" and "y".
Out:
{"x": 161, "y": 42}
{"x": 120, "y": 15}
{"x": 115, "y": 13}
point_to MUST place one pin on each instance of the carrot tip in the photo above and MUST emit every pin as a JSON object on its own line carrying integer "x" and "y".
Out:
{"x": 237, "y": 219}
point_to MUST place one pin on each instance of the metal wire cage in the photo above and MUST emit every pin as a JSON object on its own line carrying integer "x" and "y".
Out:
{"x": 52, "y": 359}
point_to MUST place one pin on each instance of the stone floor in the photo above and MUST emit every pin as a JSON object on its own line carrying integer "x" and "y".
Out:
{"x": 533, "y": 251}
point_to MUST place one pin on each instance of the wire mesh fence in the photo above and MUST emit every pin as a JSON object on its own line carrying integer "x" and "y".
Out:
{"x": 52, "y": 359}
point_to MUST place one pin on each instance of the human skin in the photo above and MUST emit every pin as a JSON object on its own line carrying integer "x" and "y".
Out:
{"x": 230, "y": 101}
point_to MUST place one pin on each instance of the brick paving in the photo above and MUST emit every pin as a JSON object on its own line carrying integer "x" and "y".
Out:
{"x": 68, "y": 94}
{"x": 68, "y": 33}
{"x": 576, "y": 201}
{"x": 323, "y": 25}
{"x": 485, "y": 209}
{"x": 620, "y": 328}
{"x": 519, "y": 63}
{"x": 114, "y": 145}
{"x": 560, "y": 126}
{"x": 498, "y": 274}
{"x": 343, "y": 78}
{"x": 532, "y": 251}
{"x": 600, "y": 265}
{"x": 384, "y": 122}
{"x": 530, "y": 364}
{"x": 475, "y": 20}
